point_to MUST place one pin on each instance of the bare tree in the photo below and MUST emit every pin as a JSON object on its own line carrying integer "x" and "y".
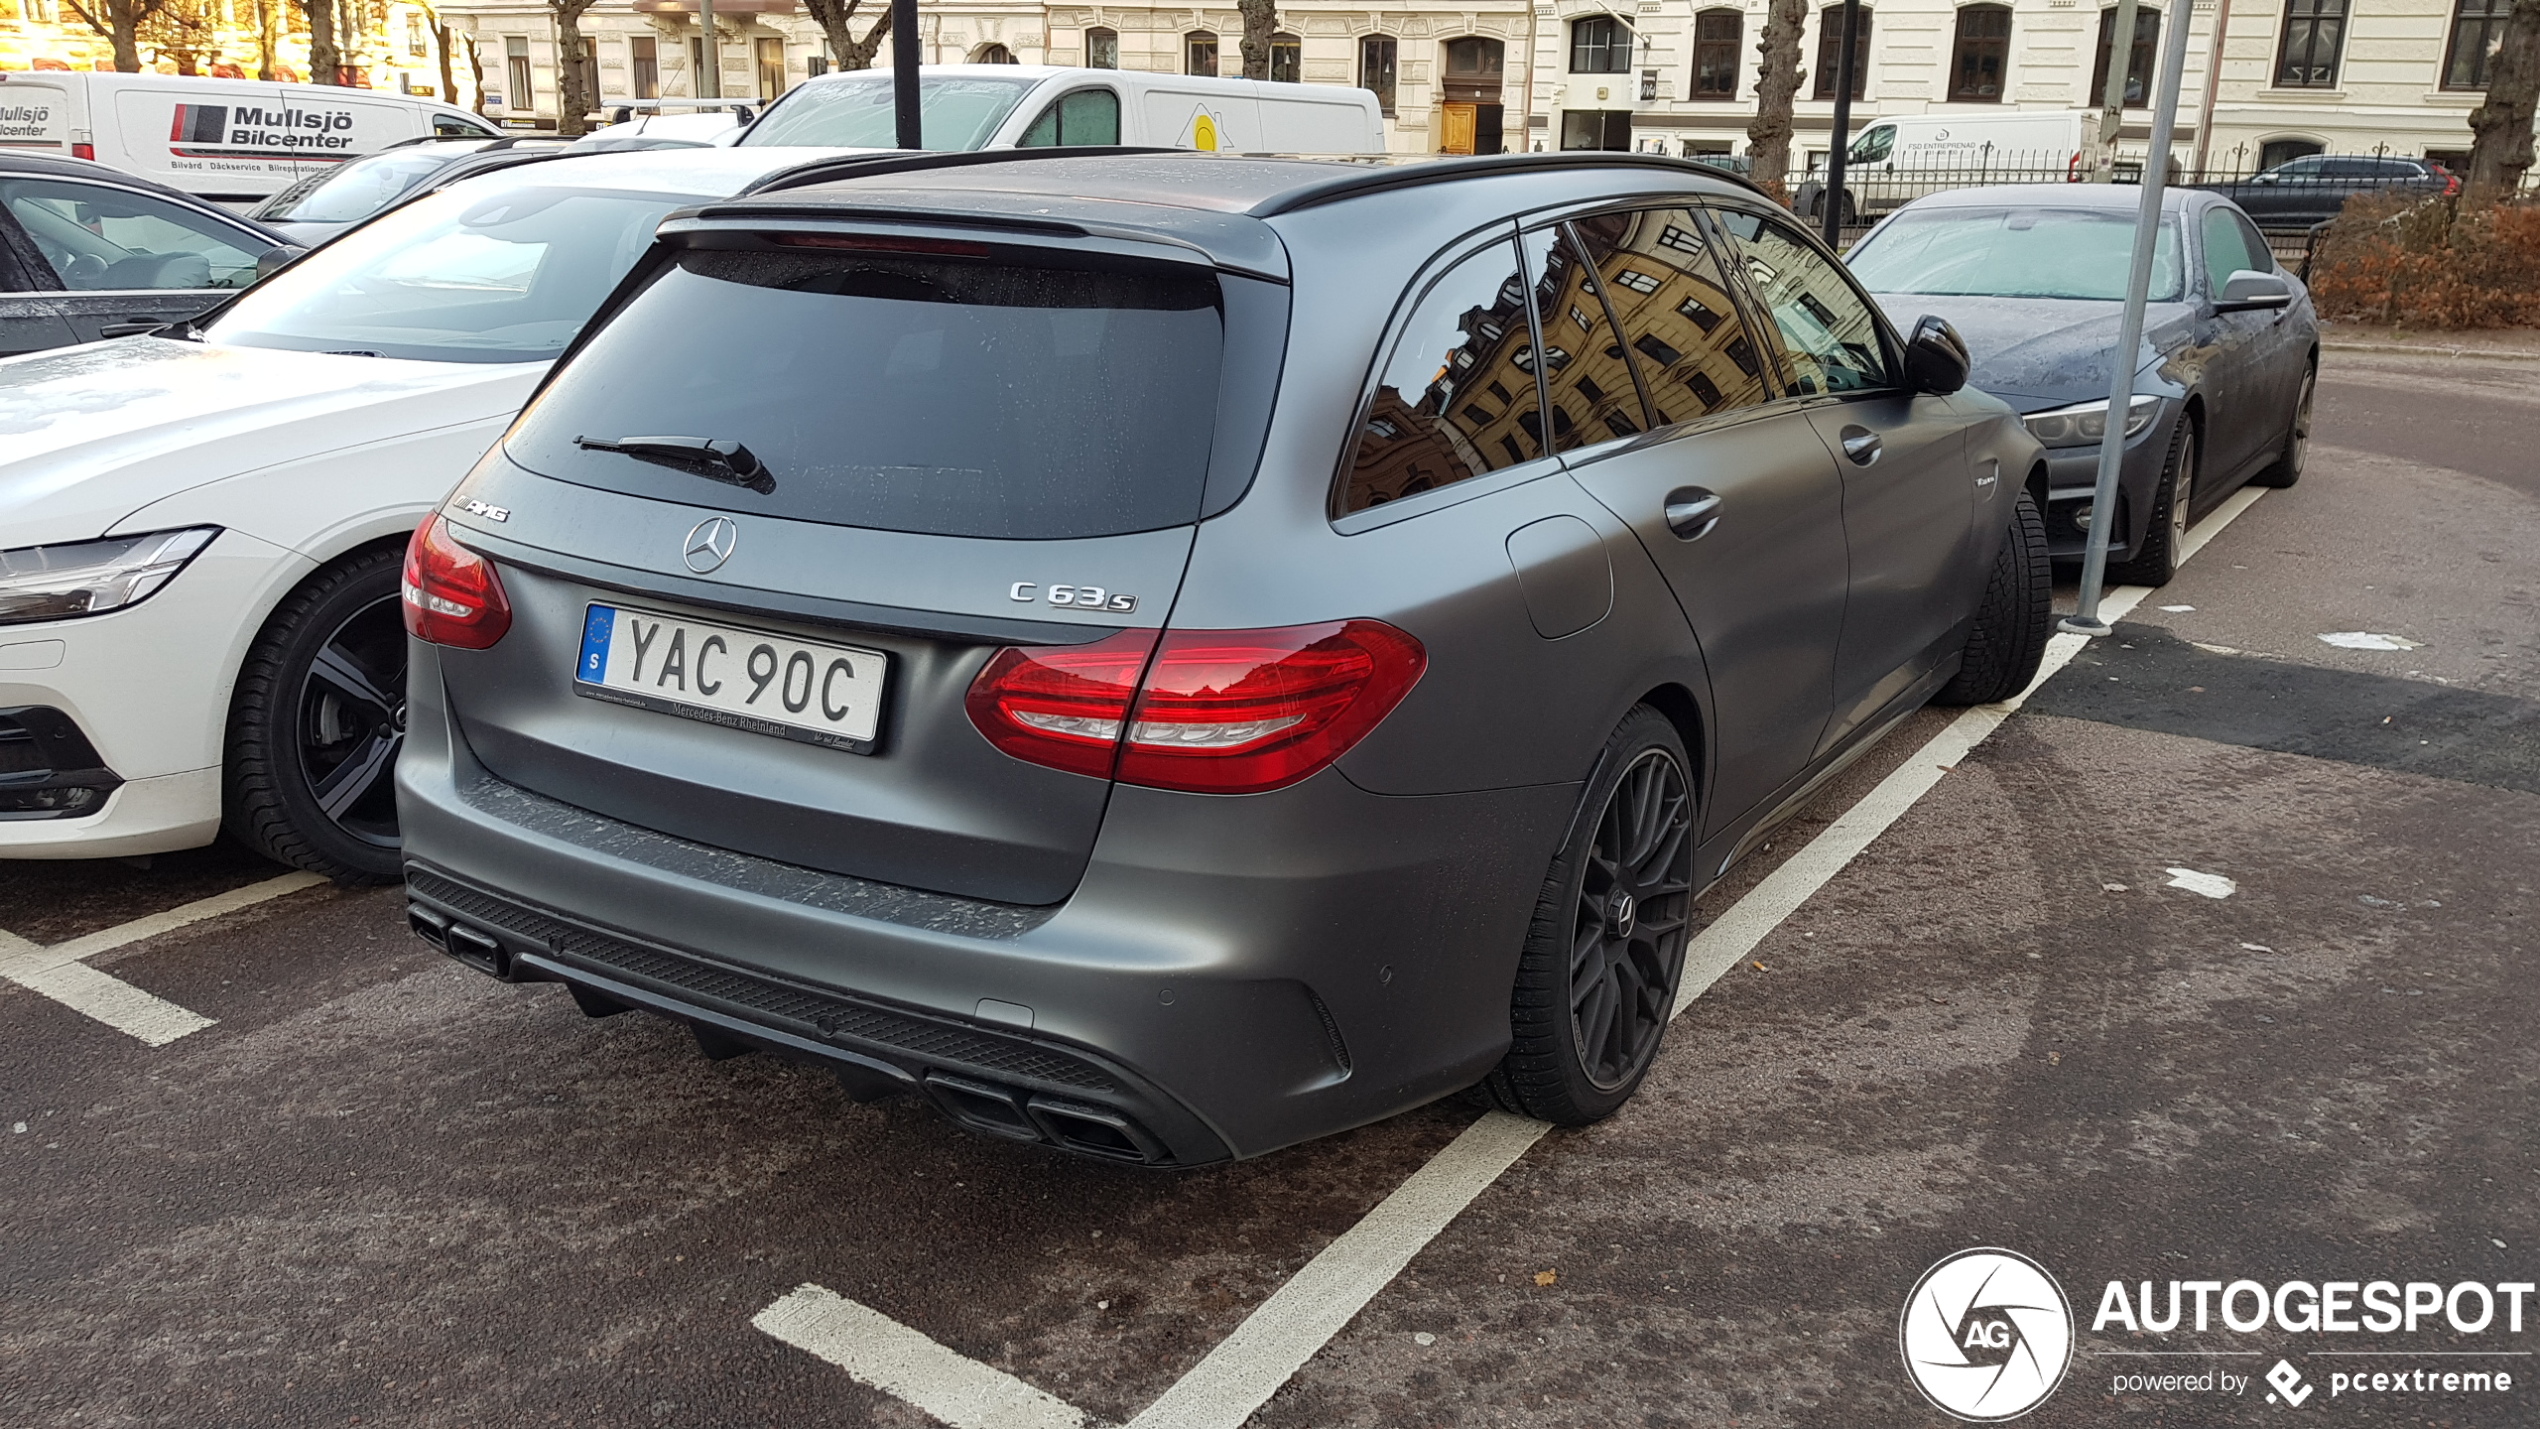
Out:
{"x": 2501, "y": 152}
{"x": 1261, "y": 17}
{"x": 574, "y": 99}
{"x": 849, "y": 52}
{"x": 119, "y": 21}
{"x": 476, "y": 73}
{"x": 268, "y": 15}
{"x": 326, "y": 60}
{"x": 1777, "y": 77}
{"x": 441, "y": 47}
{"x": 186, "y": 31}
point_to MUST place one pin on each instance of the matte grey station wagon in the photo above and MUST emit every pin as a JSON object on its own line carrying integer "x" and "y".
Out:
{"x": 1167, "y": 656}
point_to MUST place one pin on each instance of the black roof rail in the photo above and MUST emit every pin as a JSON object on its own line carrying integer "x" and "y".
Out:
{"x": 1354, "y": 180}
{"x": 902, "y": 161}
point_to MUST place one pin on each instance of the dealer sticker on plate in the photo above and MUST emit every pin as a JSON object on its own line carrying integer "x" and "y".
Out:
{"x": 742, "y": 679}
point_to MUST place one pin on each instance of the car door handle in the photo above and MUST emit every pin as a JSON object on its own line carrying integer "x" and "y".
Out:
{"x": 1692, "y": 511}
{"x": 131, "y": 329}
{"x": 1861, "y": 444}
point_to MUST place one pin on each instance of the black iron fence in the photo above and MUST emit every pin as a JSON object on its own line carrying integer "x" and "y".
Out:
{"x": 2288, "y": 201}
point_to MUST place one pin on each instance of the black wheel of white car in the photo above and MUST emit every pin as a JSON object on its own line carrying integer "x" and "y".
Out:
{"x": 2008, "y": 638}
{"x": 1597, "y": 982}
{"x": 2297, "y": 438}
{"x": 317, "y": 723}
{"x": 2165, "y": 535}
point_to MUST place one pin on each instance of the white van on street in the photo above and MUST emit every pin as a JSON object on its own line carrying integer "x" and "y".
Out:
{"x": 229, "y": 139}
{"x": 1030, "y": 106}
{"x": 1894, "y": 161}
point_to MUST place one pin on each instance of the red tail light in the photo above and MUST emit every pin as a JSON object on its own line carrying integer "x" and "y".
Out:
{"x": 1218, "y": 712}
{"x": 1061, "y": 705}
{"x": 452, "y": 595}
{"x": 83, "y": 151}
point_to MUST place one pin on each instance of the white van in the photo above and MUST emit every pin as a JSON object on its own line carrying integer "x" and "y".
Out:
{"x": 232, "y": 139}
{"x": 1897, "y": 160}
{"x": 1032, "y": 106}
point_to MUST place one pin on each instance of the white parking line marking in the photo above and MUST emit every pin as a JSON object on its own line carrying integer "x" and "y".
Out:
{"x": 58, "y": 973}
{"x": 879, "y": 1351}
{"x": 1233, "y": 1381}
{"x": 1284, "y": 1331}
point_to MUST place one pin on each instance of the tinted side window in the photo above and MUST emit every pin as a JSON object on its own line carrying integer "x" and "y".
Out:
{"x": 2261, "y": 253}
{"x": 2226, "y": 251}
{"x": 1456, "y": 395}
{"x": 1829, "y": 333}
{"x": 1593, "y": 396}
{"x": 101, "y": 239}
{"x": 1088, "y": 116}
{"x": 1679, "y": 328}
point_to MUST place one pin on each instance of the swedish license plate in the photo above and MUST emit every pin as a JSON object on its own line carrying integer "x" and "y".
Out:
{"x": 742, "y": 679}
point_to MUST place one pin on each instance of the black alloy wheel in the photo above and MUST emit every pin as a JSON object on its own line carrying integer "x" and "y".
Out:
{"x": 1597, "y": 984}
{"x": 318, "y": 723}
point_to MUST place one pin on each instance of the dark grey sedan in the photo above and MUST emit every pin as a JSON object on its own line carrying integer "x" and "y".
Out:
{"x": 89, "y": 253}
{"x": 2033, "y": 277}
{"x": 1168, "y": 655}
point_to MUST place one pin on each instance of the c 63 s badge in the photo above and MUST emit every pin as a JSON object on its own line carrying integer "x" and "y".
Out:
{"x": 1078, "y": 597}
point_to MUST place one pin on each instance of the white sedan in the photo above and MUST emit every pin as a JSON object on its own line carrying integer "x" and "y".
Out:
{"x": 199, "y": 620}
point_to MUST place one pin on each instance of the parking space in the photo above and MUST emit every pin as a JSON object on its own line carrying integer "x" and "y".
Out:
{"x": 379, "y": 1187}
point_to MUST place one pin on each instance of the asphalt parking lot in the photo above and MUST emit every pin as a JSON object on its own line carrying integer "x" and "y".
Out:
{"x": 1980, "y": 995}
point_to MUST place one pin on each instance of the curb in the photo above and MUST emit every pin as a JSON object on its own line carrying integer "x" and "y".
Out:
{"x": 2413, "y": 350}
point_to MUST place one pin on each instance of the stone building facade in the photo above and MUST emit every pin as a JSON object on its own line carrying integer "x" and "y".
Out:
{"x": 1676, "y": 76}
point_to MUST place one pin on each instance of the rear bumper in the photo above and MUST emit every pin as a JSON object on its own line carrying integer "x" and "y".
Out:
{"x": 1230, "y": 977}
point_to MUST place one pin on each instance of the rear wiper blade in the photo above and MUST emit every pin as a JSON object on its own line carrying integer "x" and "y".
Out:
{"x": 700, "y": 456}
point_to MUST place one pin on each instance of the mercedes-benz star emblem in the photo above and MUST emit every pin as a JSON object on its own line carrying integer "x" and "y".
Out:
{"x": 710, "y": 543}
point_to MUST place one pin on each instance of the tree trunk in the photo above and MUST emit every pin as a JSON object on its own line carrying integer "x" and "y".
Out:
{"x": 2501, "y": 152}
{"x": 1260, "y": 18}
{"x": 832, "y": 17}
{"x": 125, "y": 19}
{"x": 476, "y": 74}
{"x": 325, "y": 60}
{"x": 1777, "y": 79}
{"x": 264, "y": 38}
{"x": 574, "y": 99}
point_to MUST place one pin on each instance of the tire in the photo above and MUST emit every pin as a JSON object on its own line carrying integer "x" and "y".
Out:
{"x": 2013, "y": 620}
{"x": 2297, "y": 438}
{"x": 1597, "y": 982}
{"x": 317, "y": 722}
{"x": 2156, "y": 559}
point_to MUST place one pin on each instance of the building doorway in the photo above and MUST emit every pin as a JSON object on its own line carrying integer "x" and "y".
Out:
{"x": 771, "y": 68}
{"x": 1470, "y": 114}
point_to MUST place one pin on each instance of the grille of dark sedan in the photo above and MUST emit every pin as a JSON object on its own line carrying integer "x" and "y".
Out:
{"x": 820, "y": 1013}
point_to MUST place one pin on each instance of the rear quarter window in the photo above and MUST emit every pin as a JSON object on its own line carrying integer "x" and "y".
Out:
{"x": 942, "y": 396}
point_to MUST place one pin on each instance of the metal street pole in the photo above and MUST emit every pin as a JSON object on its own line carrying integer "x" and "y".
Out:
{"x": 710, "y": 65}
{"x": 2121, "y": 362}
{"x": 2103, "y": 157}
{"x": 904, "y": 74}
{"x": 1832, "y": 201}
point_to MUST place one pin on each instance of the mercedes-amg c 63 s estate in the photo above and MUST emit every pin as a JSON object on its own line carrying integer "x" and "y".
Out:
{"x": 1169, "y": 655}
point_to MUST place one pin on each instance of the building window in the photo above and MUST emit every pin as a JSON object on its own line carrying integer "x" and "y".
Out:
{"x": 1983, "y": 48}
{"x": 1609, "y": 129}
{"x": 815, "y": 65}
{"x": 1600, "y": 44}
{"x": 1199, "y": 54}
{"x": 1715, "y": 53}
{"x": 516, "y": 69}
{"x": 2139, "y": 59}
{"x": 771, "y": 68}
{"x": 996, "y": 55}
{"x": 2478, "y": 27}
{"x": 1376, "y": 56}
{"x": 2313, "y": 31}
{"x": 1830, "y": 52}
{"x": 414, "y": 37}
{"x": 1102, "y": 49}
{"x": 643, "y": 58}
{"x": 2285, "y": 151}
{"x": 1287, "y": 59}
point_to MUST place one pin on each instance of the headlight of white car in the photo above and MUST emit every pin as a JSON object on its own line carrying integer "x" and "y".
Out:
{"x": 2087, "y": 422}
{"x": 90, "y": 577}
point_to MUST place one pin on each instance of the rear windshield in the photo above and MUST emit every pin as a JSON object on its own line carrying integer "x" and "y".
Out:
{"x": 954, "y": 113}
{"x": 945, "y": 396}
{"x": 2012, "y": 252}
{"x": 365, "y": 186}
